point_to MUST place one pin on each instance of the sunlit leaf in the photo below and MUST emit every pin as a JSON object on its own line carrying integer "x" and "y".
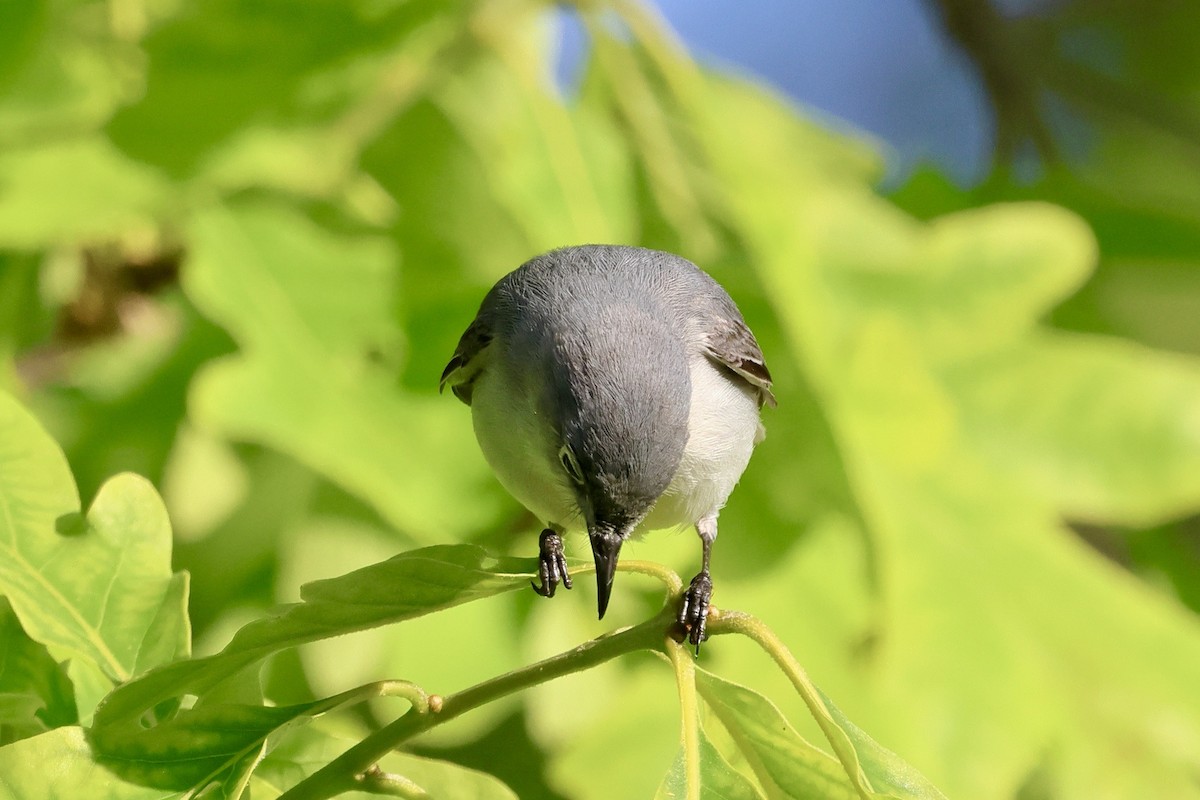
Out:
{"x": 58, "y": 765}
{"x": 901, "y": 527}
{"x": 407, "y": 586}
{"x": 210, "y": 743}
{"x": 641, "y": 723}
{"x": 889, "y": 776}
{"x": 562, "y": 176}
{"x": 215, "y": 70}
{"x": 93, "y": 588}
{"x": 309, "y": 309}
{"x": 73, "y": 190}
{"x": 1112, "y": 433}
{"x": 462, "y": 633}
{"x": 883, "y": 375}
{"x": 59, "y": 76}
{"x": 782, "y": 760}
{"x": 718, "y": 780}
{"x": 301, "y": 755}
{"x": 968, "y": 283}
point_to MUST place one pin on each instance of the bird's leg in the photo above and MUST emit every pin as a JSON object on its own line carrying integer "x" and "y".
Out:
{"x": 552, "y": 564}
{"x": 693, "y": 610}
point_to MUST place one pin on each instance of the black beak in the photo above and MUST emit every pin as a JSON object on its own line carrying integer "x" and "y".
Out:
{"x": 606, "y": 545}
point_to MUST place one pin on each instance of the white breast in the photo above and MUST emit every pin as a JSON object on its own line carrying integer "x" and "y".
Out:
{"x": 723, "y": 427}
{"x": 520, "y": 448}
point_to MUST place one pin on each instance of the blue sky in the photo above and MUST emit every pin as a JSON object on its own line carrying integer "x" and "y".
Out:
{"x": 879, "y": 65}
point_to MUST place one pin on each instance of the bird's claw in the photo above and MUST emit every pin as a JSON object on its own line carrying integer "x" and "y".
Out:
{"x": 552, "y": 564}
{"x": 693, "y": 609}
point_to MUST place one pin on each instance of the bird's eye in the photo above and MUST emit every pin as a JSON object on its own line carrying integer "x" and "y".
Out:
{"x": 570, "y": 464}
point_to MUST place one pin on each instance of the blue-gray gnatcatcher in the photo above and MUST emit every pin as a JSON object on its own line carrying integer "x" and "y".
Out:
{"x": 617, "y": 389}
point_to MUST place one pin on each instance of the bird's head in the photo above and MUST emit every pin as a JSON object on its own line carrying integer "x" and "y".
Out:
{"x": 623, "y": 403}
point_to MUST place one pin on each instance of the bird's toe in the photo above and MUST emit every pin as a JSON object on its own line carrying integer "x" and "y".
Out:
{"x": 552, "y": 564}
{"x": 693, "y": 608}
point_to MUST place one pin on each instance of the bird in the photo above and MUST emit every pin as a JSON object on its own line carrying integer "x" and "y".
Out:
{"x": 614, "y": 390}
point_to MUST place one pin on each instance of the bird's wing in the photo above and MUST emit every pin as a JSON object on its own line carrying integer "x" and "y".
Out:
{"x": 467, "y": 362}
{"x": 730, "y": 343}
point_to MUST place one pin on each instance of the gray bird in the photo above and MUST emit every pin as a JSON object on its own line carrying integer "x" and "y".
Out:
{"x": 614, "y": 389}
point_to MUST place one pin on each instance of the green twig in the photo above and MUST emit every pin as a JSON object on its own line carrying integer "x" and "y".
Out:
{"x": 689, "y": 707}
{"x": 764, "y": 637}
{"x": 348, "y": 770}
{"x": 666, "y": 577}
{"x": 414, "y": 694}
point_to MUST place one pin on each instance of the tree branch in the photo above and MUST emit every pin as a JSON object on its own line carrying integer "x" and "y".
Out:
{"x": 345, "y": 772}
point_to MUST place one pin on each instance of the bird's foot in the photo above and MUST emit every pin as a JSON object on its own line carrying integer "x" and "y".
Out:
{"x": 693, "y": 609}
{"x": 552, "y": 564}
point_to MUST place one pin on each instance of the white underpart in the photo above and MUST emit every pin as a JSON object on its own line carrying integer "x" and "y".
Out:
{"x": 723, "y": 427}
{"x": 521, "y": 447}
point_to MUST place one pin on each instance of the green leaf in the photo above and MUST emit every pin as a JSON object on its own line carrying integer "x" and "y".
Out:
{"x": 981, "y": 666}
{"x": 1113, "y": 432}
{"x": 168, "y": 636}
{"x": 462, "y": 633}
{"x": 718, "y": 780}
{"x": 559, "y": 173}
{"x": 64, "y": 192}
{"x": 964, "y": 499}
{"x": 403, "y": 587}
{"x": 968, "y": 283}
{"x": 784, "y": 762}
{"x": 23, "y": 321}
{"x": 58, "y": 765}
{"x": 305, "y": 382}
{"x": 407, "y": 586}
{"x": 94, "y": 589}
{"x": 873, "y": 771}
{"x": 35, "y": 693}
{"x": 318, "y": 156}
{"x": 889, "y": 776}
{"x": 471, "y": 248}
{"x": 60, "y": 75}
{"x": 22, "y": 23}
{"x": 217, "y": 68}
{"x": 640, "y": 720}
{"x": 1020, "y": 657}
{"x": 305, "y": 161}
{"x": 214, "y": 742}
{"x": 304, "y": 753}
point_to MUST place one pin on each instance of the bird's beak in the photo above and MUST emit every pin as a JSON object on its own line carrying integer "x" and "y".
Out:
{"x": 606, "y": 545}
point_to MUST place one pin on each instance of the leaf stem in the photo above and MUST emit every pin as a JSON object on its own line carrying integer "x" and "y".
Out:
{"x": 689, "y": 707}
{"x": 754, "y": 628}
{"x": 665, "y": 576}
{"x": 409, "y": 691}
{"x": 344, "y": 773}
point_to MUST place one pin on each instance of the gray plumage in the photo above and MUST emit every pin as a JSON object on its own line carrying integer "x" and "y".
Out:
{"x": 614, "y": 389}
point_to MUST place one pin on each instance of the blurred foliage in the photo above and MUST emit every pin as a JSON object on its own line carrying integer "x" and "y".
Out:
{"x": 1095, "y": 109}
{"x": 97, "y": 595}
{"x": 238, "y": 241}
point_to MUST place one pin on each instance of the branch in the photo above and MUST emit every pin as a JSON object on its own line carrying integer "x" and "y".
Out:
{"x": 349, "y": 770}
{"x": 1007, "y": 54}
